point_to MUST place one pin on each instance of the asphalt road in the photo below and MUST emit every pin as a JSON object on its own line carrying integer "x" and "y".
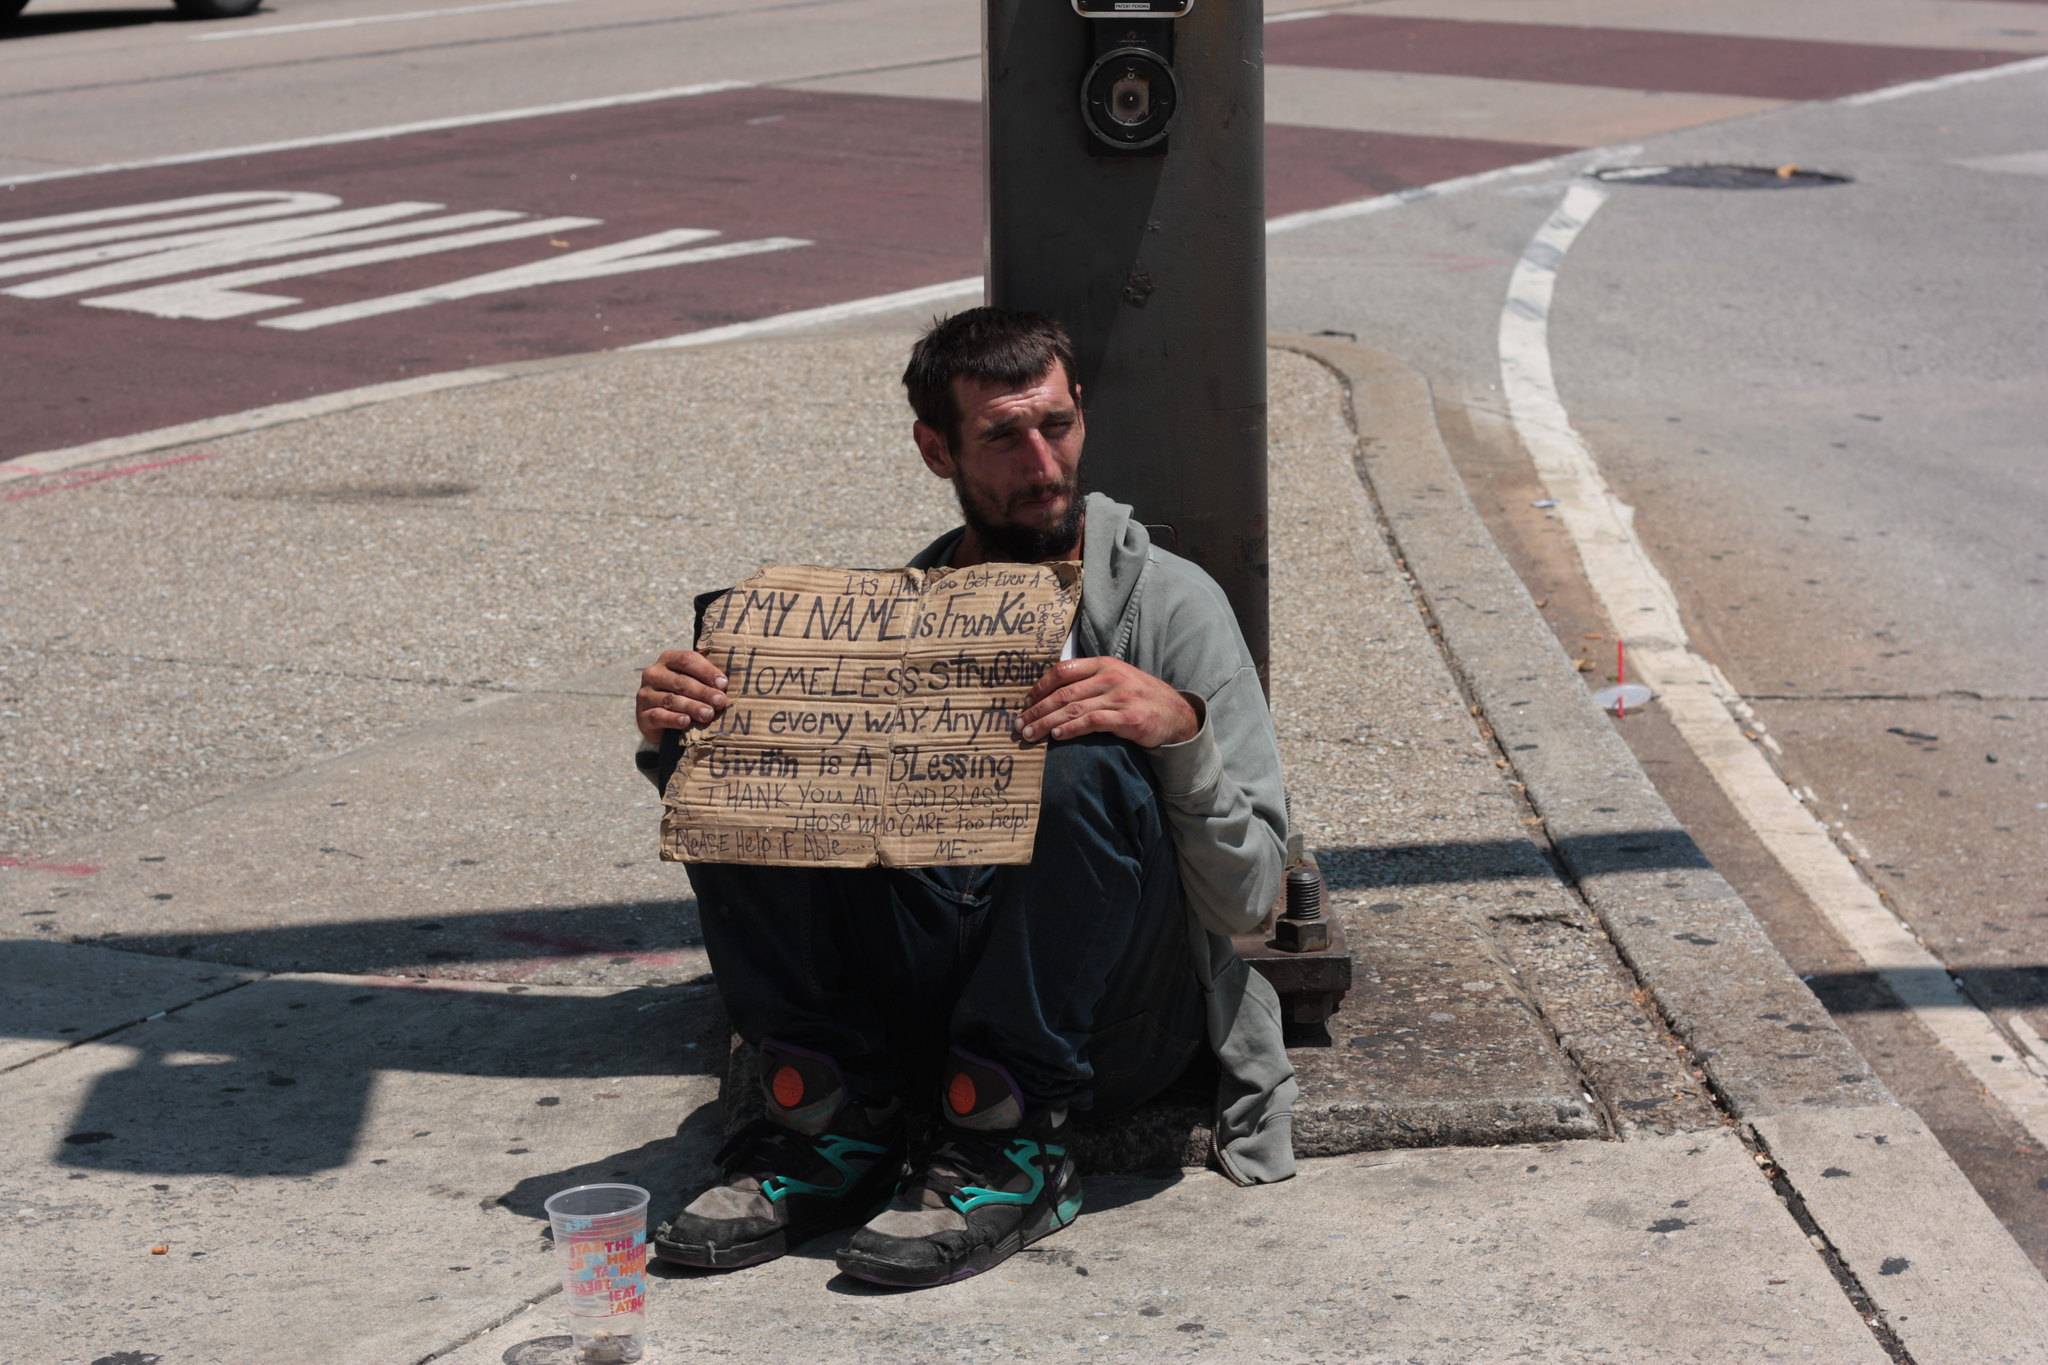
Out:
{"x": 743, "y": 161}
{"x": 1825, "y": 405}
{"x": 1826, "y": 408}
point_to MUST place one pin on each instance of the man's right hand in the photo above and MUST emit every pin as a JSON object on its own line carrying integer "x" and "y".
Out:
{"x": 682, "y": 690}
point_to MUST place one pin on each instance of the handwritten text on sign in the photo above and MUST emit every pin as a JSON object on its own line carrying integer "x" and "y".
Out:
{"x": 873, "y": 717}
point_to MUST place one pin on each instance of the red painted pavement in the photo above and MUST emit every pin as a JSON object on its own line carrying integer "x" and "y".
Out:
{"x": 101, "y": 476}
{"x": 61, "y": 869}
{"x": 890, "y": 195}
{"x": 1308, "y": 168}
{"x": 1633, "y": 59}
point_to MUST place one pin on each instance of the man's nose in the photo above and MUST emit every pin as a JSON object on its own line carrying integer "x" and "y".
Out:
{"x": 1041, "y": 460}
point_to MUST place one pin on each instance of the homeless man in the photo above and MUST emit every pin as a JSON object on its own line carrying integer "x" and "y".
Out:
{"x": 1081, "y": 982}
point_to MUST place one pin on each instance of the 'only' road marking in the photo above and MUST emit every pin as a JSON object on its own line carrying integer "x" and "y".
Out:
{"x": 100, "y": 252}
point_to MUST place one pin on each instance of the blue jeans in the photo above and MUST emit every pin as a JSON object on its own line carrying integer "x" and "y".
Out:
{"x": 1075, "y": 970}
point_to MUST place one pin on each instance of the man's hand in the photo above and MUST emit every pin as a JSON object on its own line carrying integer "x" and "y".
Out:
{"x": 682, "y": 690}
{"x": 1108, "y": 697}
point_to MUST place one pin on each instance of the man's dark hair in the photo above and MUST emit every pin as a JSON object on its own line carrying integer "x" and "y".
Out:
{"x": 988, "y": 345}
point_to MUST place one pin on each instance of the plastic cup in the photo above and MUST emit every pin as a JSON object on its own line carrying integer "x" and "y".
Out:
{"x": 1624, "y": 698}
{"x": 601, "y": 1235}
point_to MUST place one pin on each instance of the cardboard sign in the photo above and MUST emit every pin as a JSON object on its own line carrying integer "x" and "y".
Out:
{"x": 873, "y": 718}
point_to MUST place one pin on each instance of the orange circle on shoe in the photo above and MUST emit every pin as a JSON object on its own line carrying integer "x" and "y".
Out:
{"x": 960, "y": 1094}
{"x": 787, "y": 1086}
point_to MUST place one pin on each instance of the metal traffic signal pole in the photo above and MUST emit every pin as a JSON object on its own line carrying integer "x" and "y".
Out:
{"x": 1134, "y": 211}
{"x": 1126, "y": 197}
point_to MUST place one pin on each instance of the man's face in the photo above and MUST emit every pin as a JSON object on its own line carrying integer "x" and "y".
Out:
{"x": 1015, "y": 465}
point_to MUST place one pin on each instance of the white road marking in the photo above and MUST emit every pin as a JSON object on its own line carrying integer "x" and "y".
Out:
{"x": 288, "y": 201}
{"x": 818, "y": 317}
{"x": 389, "y": 130}
{"x": 2017, "y": 163}
{"x": 118, "y": 263}
{"x": 1365, "y": 208}
{"x": 238, "y": 423}
{"x": 279, "y": 205}
{"x": 139, "y": 247}
{"x": 235, "y": 34}
{"x": 1705, "y": 707}
{"x": 1948, "y": 82}
{"x": 618, "y": 258}
{"x": 227, "y": 296}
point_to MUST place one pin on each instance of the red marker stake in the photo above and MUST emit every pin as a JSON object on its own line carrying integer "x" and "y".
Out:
{"x": 1620, "y": 679}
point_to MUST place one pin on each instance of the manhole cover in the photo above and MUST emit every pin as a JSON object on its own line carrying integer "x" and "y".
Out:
{"x": 1721, "y": 177}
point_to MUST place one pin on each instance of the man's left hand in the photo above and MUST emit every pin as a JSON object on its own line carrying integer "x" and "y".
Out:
{"x": 1107, "y": 697}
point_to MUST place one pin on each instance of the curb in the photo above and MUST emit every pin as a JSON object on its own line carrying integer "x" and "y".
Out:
{"x": 48, "y": 462}
{"x": 1764, "y": 1040}
{"x": 42, "y": 464}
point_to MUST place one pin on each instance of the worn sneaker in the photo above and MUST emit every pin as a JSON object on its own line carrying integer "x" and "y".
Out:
{"x": 814, "y": 1161}
{"x": 999, "y": 1180}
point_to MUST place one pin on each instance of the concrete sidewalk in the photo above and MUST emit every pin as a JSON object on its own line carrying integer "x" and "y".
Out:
{"x": 347, "y": 944}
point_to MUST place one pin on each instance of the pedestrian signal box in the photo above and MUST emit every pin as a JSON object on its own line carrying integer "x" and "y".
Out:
{"x": 1132, "y": 9}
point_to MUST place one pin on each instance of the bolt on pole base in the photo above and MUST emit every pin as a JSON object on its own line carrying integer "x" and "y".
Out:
{"x": 1300, "y": 948}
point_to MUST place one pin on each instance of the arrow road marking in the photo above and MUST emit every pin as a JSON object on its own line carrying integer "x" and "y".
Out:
{"x": 227, "y": 296}
{"x": 641, "y": 253}
{"x": 254, "y": 205}
{"x": 184, "y": 253}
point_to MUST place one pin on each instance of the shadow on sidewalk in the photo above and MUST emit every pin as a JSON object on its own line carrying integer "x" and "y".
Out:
{"x": 663, "y": 1166}
{"x": 653, "y": 933}
{"x": 277, "y": 1078}
{"x": 1471, "y": 860}
{"x": 646, "y": 933}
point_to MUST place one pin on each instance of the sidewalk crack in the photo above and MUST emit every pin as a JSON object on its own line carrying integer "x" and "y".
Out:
{"x": 126, "y": 1024}
{"x": 1816, "y": 1237}
{"x": 442, "y": 1352}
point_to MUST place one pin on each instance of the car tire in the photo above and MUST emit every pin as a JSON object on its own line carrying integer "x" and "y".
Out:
{"x": 212, "y": 9}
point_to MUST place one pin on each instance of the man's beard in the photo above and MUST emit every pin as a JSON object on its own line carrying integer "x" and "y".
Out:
{"x": 1022, "y": 543}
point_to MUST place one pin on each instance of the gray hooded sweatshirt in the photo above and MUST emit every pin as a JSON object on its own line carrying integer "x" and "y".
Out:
{"x": 1225, "y": 800}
